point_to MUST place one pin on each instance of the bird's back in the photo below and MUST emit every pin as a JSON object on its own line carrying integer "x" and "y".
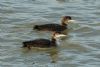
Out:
{"x": 38, "y": 43}
{"x": 50, "y": 27}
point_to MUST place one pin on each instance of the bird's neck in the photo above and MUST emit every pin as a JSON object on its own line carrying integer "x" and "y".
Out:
{"x": 53, "y": 42}
{"x": 63, "y": 23}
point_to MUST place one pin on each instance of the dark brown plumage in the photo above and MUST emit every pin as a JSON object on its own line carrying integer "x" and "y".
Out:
{"x": 43, "y": 43}
{"x": 54, "y": 27}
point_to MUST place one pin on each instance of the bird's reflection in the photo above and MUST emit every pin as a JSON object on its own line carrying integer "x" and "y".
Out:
{"x": 54, "y": 55}
{"x": 50, "y": 52}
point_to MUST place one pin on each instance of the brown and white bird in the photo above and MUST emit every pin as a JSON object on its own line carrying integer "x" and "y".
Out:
{"x": 43, "y": 43}
{"x": 55, "y": 27}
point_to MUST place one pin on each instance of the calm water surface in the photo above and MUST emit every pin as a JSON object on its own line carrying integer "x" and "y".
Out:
{"x": 81, "y": 47}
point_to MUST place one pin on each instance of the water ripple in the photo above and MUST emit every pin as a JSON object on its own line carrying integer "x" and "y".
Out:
{"x": 80, "y": 49}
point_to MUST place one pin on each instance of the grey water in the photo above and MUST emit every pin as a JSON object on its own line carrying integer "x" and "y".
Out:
{"x": 81, "y": 47}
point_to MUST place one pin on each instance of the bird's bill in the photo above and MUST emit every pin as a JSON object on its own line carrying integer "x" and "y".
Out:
{"x": 60, "y": 36}
{"x": 71, "y": 21}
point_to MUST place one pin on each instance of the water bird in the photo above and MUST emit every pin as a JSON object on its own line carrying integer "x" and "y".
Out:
{"x": 55, "y": 27}
{"x": 42, "y": 43}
